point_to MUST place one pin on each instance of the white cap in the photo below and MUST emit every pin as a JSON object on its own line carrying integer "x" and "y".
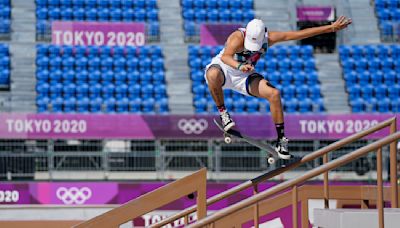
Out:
{"x": 255, "y": 34}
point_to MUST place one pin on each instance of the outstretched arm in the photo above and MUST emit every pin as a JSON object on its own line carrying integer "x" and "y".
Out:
{"x": 339, "y": 24}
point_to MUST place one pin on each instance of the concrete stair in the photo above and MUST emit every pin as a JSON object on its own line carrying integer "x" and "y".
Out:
{"x": 176, "y": 57}
{"x": 23, "y": 52}
{"x": 332, "y": 83}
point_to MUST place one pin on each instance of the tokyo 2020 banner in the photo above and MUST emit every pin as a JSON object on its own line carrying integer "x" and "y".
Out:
{"x": 126, "y": 126}
{"x": 99, "y": 193}
{"x": 315, "y": 13}
{"x": 116, "y": 193}
{"x": 98, "y": 33}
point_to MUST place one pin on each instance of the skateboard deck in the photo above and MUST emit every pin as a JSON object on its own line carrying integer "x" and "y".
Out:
{"x": 273, "y": 155}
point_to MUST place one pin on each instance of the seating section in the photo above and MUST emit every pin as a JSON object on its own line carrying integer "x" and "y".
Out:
{"x": 294, "y": 75}
{"x": 99, "y": 79}
{"x": 372, "y": 75}
{"x": 388, "y": 13}
{"x": 5, "y": 15}
{"x": 4, "y": 66}
{"x": 97, "y": 10}
{"x": 195, "y": 12}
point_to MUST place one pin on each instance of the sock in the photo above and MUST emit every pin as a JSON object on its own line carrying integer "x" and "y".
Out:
{"x": 221, "y": 108}
{"x": 280, "y": 130}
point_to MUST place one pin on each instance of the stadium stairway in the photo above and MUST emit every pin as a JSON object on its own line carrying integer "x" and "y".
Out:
{"x": 176, "y": 57}
{"x": 332, "y": 83}
{"x": 364, "y": 22}
{"x": 275, "y": 14}
{"x": 22, "y": 50}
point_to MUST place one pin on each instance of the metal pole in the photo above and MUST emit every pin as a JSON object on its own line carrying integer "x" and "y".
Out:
{"x": 256, "y": 214}
{"x": 326, "y": 183}
{"x": 380, "y": 187}
{"x": 294, "y": 206}
{"x": 304, "y": 213}
{"x": 393, "y": 168}
{"x": 290, "y": 183}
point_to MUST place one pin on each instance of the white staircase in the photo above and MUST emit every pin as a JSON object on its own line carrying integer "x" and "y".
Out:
{"x": 332, "y": 83}
{"x": 176, "y": 57}
{"x": 23, "y": 54}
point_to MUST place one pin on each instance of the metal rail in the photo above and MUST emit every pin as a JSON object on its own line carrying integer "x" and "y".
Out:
{"x": 321, "y": 152}
{"x": 308, "y": 175}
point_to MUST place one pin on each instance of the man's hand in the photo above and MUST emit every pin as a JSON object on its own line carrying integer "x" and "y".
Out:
{"x": 246, "y": 67}
{"x": 341, "y": 23}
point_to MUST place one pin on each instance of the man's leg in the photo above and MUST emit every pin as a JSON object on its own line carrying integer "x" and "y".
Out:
{"x": 215, "y": 80}
{"x": 260, "y": 87}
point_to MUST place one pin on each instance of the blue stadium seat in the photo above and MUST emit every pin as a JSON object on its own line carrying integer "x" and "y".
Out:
{"x": 42, "y": 104}
{"x": 383, "y": 105}
{"x": 367, "y": 92}
{"x": 211, "y": 4}
{"x": 79, "y": 14}
{"x": 395, "y": 106}
{"x": 95, "y": 105}
{"x": 239, "y": 105}
{"x": 357, "y": 105}
{"x": 134, "y": 105}
{"x": 148, "y": 105}
{"x": 394, "y": 92}
{"x": 57, "y": 104}
{"x": 305, "y": 105}
{"x": 69, "y": 105}
{"x": 252, "y": 105}
{"x": 291, "y": 106}
{"x": 200, "y": 105}
{"x": 122, "y": 105}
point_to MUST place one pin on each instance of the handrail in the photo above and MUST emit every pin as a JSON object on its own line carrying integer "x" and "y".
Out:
{"x": 268, "y": 175}
{"x": 290, "y": 183}
{"x": 134, "y": 208}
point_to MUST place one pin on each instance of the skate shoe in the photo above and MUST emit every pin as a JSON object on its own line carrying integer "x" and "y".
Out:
{"x": 282, "y": 148}
{"x": 226, "y": 120}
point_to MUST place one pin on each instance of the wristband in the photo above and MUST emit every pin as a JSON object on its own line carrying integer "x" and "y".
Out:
{"x": 238, "y": 67}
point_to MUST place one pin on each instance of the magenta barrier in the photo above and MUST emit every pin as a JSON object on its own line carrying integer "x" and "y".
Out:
{"x": 216, "y": 34}
{"x": 98, "y": 33}
{"x": 126, "y": 126}
{"x": 317, "y": 13}
{"x": 97, "y": 193}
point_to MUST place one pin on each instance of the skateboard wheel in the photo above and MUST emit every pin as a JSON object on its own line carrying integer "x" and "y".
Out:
{"x": 227, "y": 140}
{"x": 271, "y": 160}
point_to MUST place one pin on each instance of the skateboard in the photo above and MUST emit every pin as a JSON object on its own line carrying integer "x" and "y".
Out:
{"x": 272, "y": 154}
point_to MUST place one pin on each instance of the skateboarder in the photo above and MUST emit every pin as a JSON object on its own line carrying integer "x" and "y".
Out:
{"x": 233, "y": 68}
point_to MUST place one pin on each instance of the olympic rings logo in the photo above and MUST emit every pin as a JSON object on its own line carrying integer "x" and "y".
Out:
{"x": 73, "y": 195}
{"x": 192, "y": 126}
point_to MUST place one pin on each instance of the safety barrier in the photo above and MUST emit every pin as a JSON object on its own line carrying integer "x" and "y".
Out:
{"x": 226, "y": 216}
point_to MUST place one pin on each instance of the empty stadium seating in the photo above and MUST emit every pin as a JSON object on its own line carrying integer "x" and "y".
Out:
{"x": 4, "y": 66}
{"x": 5, "y": 15}
{"x": 388, "y": 13}
{"x": 97, "y": 79}
{"x": 195, "y": 12}
{"x": 294, "y": 75}
{"x": 372, "y": 75}
{"x": 97, "y": 10}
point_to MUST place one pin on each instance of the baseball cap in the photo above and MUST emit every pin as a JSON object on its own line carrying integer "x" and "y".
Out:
{"x": 255, "y": 34}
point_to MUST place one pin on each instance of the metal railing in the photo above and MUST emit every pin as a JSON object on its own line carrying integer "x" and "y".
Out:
{"x": 314, "y": 172}
{"x": 195, "y": 182}
{"x": 21, "y": 159}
